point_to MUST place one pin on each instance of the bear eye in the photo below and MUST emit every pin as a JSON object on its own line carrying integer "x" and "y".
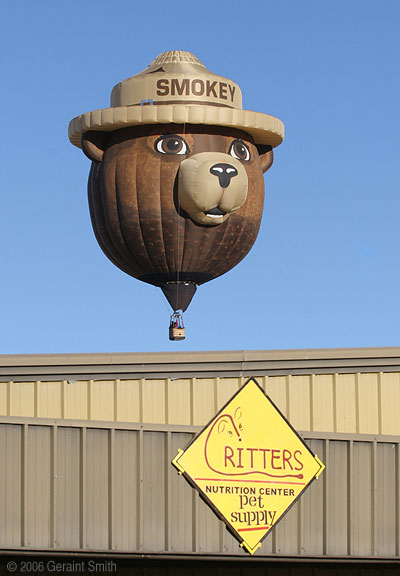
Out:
{"x": 171, "y": 144}
{"x": 239, "y": 150}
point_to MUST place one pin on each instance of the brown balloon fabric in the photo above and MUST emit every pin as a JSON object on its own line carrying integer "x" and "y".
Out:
{"x": 135, "y": 210}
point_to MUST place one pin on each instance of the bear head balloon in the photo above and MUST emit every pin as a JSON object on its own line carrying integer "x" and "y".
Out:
{"x": 176, "y": 188}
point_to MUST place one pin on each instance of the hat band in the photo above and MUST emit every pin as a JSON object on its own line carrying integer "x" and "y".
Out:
{"x": 151, "y": 102}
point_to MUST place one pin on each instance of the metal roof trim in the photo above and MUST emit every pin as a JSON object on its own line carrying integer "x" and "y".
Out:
{"x": 230, "y": 363}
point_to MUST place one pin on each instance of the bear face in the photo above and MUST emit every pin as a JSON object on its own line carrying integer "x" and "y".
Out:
{"x": 176, "y": 202}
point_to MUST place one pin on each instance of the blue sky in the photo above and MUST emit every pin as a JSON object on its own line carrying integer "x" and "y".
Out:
{"x": 324, "y": 271}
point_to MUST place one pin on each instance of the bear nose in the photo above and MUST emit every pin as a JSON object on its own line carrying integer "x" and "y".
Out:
{"x": 224, "y": 172}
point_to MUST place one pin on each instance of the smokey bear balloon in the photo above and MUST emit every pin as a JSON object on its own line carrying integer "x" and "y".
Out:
{"x": 176, "y": 188}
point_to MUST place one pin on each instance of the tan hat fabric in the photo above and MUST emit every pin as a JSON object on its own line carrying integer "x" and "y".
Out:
{"x": 177, "y": 88}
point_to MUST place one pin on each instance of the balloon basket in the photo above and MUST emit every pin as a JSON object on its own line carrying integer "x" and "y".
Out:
{"x": 176, "y": 327}
{"x": 176, "y": 333}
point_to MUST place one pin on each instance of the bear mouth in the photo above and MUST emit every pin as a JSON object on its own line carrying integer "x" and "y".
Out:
{"x": 215, "y": 213}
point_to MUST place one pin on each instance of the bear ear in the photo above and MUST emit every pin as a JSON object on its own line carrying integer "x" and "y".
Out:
{"x": 266, "y": 156}
{"x": 93, "y": 145}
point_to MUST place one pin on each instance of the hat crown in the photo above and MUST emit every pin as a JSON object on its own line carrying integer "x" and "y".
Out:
{"x": 175, "y": 56}
{"x": 177, "y": 77}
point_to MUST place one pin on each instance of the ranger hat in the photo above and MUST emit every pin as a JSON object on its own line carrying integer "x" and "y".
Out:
{"x": 177, "y": 88}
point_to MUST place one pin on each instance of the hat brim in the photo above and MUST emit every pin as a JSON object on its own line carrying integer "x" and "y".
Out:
{"x": 265, "y": 129}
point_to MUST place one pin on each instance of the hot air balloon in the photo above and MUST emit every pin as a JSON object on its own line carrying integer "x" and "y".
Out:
{"x": 176, "y": 188}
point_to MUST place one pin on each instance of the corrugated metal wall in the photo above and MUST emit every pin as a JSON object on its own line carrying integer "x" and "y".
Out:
{"x": 367, "y": 403}
{"x": 111, "y": 488}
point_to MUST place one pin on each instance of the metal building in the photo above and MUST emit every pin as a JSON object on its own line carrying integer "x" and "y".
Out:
{"x": 86, "y": 443}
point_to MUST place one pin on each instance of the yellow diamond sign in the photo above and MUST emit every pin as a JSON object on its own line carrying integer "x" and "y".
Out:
{"x": 249, "y": 465}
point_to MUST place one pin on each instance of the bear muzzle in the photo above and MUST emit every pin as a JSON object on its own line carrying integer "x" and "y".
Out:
{"x": 211, "y": 186}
